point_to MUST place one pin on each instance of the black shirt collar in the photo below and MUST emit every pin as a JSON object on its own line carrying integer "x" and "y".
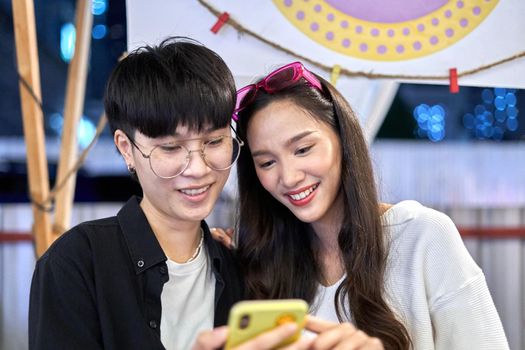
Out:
{"x": 144, "y": 249}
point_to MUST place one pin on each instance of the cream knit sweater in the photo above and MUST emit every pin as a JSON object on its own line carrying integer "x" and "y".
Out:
{"x": 432, "y": 283}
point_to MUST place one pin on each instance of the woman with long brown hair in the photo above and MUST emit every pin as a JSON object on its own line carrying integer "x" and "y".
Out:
{"x": 311, "y": 226}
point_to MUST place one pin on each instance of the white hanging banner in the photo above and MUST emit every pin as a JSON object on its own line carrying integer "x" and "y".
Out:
{"x": 396, "y": 37}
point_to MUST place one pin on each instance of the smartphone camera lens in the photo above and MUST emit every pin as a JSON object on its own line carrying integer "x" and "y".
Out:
{"x": 244, "y": 322}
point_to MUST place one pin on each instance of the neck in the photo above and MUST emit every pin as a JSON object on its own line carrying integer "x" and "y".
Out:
{"x": 327, "y": 231}
{"x": 178, "y": 239}
{"x": 328, "y": 227}
{"x": 330, "y": 256}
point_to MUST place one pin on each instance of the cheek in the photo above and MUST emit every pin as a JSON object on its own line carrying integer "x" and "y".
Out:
{"x": 222, "y": 177}
{"x": 267, "y": 180}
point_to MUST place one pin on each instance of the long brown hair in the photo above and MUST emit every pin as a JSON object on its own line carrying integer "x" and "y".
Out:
{"x": 278, "y": 253}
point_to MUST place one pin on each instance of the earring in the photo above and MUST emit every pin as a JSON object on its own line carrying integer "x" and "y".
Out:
{"x": 131, "y": 169}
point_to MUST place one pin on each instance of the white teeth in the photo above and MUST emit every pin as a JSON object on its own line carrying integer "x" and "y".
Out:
{"x": 195, "y": 191}
{"x": 303, "y": 194}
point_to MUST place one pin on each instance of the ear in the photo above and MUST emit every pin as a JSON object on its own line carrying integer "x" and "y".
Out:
{"x": 124, "y": 146}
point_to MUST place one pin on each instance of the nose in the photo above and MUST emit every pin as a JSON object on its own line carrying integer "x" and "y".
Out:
{"x": 196, "y": 166}
{"x": 291, "y": 176}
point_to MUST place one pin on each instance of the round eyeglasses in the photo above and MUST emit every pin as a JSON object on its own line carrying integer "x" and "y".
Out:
{"x": 170, "y": 160}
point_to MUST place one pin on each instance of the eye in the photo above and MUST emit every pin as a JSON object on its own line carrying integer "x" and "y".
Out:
{"x": 215, "y": 142}
{"x": 303, "y": 150}
{"x": 266, "y": 165}
{"x": 171, "y": 148}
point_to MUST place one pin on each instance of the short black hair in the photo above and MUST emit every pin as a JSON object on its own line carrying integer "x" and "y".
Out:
{"x": 154, "y": 89}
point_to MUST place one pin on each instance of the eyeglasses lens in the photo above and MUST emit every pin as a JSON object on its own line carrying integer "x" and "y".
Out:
{"x": 245, "y": 97}
{"x": 280, "y": 79}
{"x": 168, "y": 161}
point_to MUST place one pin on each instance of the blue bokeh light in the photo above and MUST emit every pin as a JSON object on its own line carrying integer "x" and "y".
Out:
{"x": 512, "y": 112}
{"x": 495, "y": 116}
{"x": 512, "y": 124}
{"x": 56, "y": 122}
{"x": 86, "y": 131}
{"x": 430, "y": 121}
{"x": 510, "y": 99}
{"x": 499, "y": 103}
{"x": 67, "y": 41}
{"x": 99, "y": 31}
{"x": 487, "y": 96}
{"x": 98, "y": 7}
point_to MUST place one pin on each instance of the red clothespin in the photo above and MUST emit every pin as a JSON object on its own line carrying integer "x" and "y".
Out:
{"x": 453, "y": 80}
{"x": 220, "y": 22}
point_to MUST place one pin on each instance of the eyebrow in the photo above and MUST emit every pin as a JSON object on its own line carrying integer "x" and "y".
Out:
{"x": 288, "y": 143}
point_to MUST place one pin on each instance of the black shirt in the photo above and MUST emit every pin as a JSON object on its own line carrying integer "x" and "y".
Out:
{"x": 98, "y": 286}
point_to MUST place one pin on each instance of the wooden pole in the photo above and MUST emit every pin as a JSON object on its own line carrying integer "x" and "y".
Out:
{"x": 74, "y": 105}
{"x": 28, "y": 68}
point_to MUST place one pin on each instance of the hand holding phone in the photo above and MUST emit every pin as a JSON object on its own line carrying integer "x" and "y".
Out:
{"x": 251, "y": 318}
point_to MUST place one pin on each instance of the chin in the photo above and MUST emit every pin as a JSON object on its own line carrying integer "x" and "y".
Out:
{"x": 306, "y": 218}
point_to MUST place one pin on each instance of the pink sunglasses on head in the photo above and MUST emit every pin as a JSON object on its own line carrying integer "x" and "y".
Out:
{"x": 277, "y": 80}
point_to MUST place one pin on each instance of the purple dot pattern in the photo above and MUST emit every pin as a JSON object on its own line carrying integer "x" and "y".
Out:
{"x": 437, "y": 28}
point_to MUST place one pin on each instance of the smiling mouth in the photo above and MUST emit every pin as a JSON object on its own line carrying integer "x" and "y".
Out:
{"x": 303, "y": 194}
{"x": 194, "y": 191}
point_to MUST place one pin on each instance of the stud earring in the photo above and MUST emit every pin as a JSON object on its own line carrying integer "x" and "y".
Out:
{"x": 131, "y": 169}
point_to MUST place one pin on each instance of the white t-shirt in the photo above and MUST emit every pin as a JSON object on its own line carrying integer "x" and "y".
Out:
{"x": 432, "y": 283}
{"x": 187, "y": 301}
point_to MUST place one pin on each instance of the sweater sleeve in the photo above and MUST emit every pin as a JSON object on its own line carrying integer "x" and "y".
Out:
{"x": 467, "y": 319}
{"x": 462, "y": 311}
{"x": 62, "y": 311}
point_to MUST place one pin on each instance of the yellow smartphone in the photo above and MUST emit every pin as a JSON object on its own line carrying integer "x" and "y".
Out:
{"x": 250, "y": 318}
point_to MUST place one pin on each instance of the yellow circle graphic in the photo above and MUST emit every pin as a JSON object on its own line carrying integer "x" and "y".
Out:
{"x": 389, "y": 40}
